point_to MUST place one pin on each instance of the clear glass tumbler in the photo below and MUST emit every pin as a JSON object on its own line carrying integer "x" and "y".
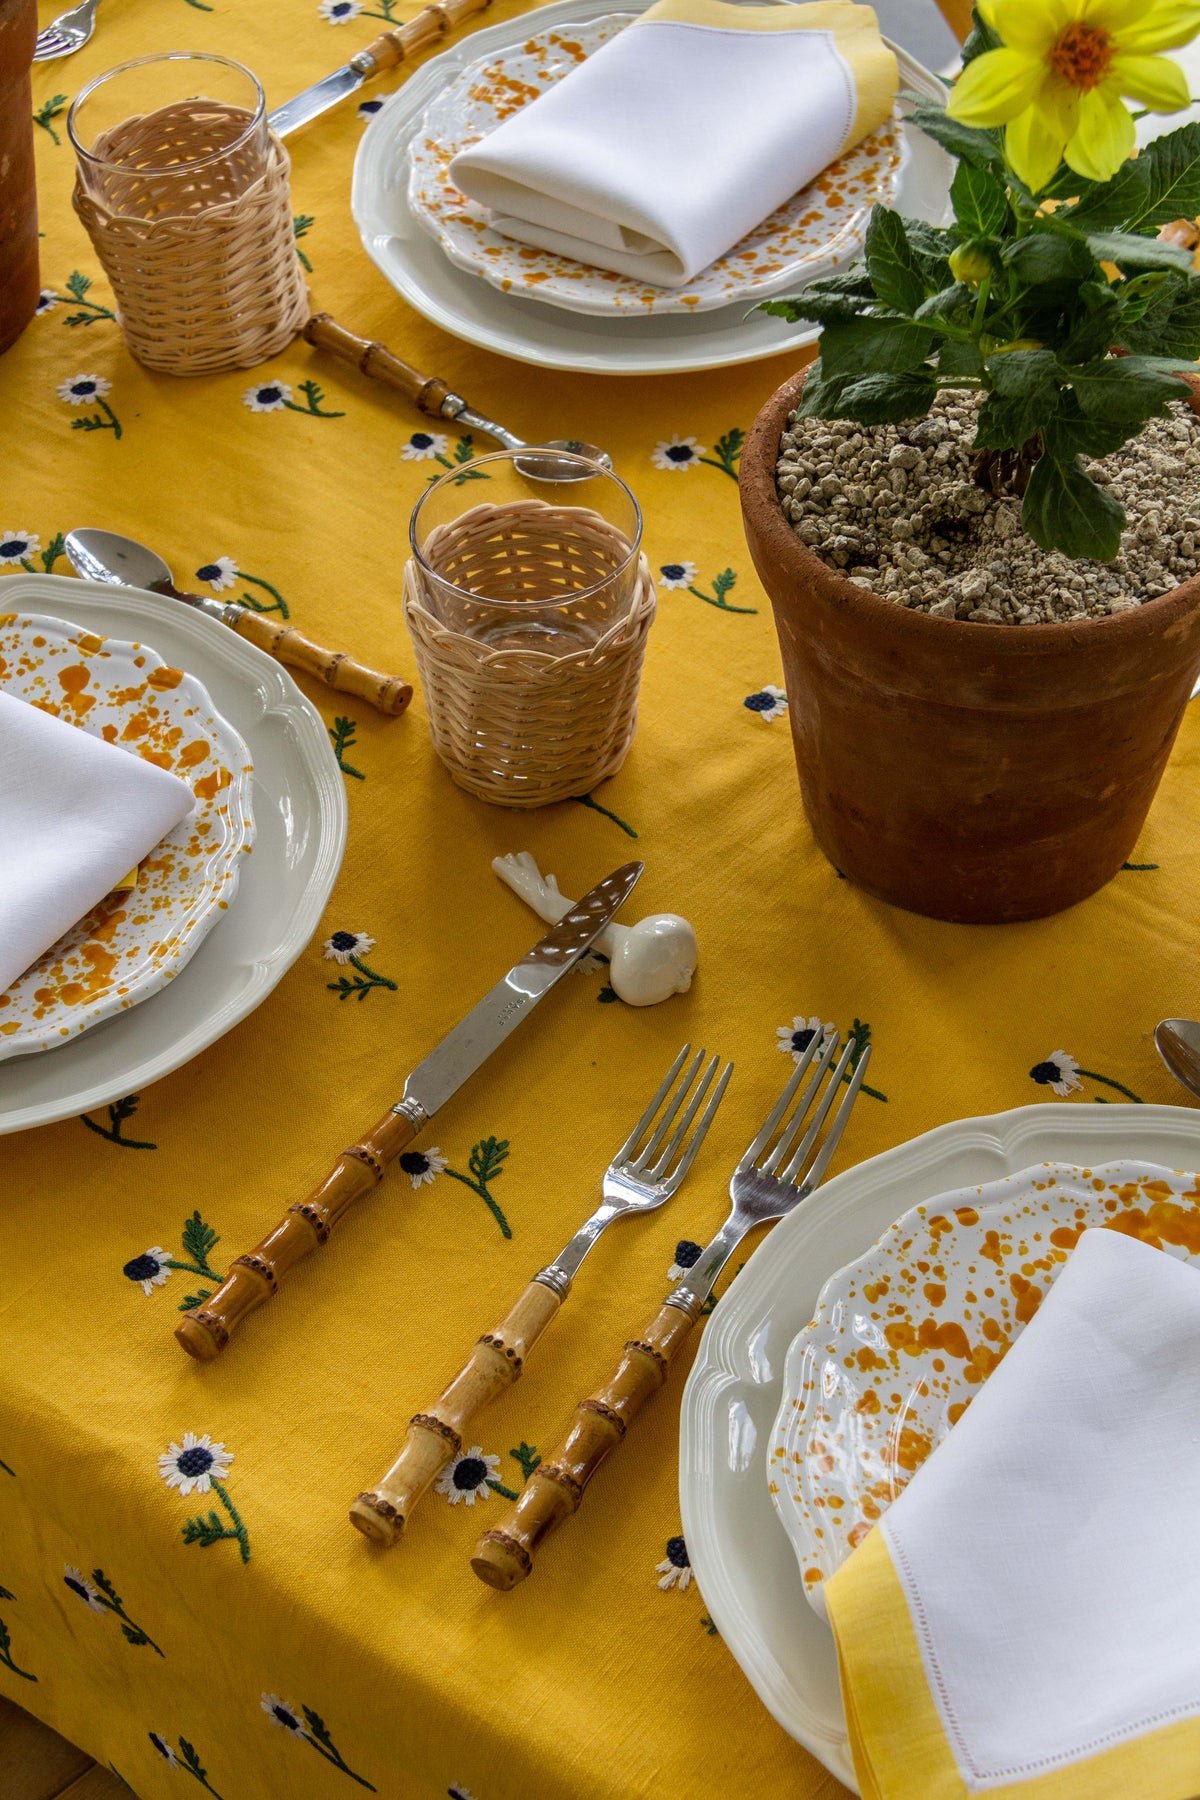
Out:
{"x": 524, "y": 563}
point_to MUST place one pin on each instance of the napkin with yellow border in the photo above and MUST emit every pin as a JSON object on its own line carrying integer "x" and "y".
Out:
{"x": 669, "y": 143}
{"x": 1024, "y": 1622}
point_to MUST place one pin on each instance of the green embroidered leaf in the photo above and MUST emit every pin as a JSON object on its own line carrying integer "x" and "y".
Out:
{"x": 205, "y": 1532}
{"x": 980, "y": 201}
{"x": 1064, "y": 510}
{"x": 318, "y": 1727}
{"x": 894, "y": 271}
{"x": 190, "y": 1302}
{"x": 486, "y": 1157}
{"x": 888, "y": 399}
{"x": 5, "y": 1595}
{"x": 982, "y": 149}
{"x": 191, "y": 1759}
{"x": 1125, "y": 248}
{"x": 77, "y": 284}
{"x": 873, "y": 347}
{"x": 198, "y": 1238}
{"x": 106, "y": 1587}
{"x": 1048, "y": 255}
{"x": 134, "y": 1635}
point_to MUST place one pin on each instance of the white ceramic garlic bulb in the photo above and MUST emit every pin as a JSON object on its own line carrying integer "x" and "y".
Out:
{"x": 648, "y": 962}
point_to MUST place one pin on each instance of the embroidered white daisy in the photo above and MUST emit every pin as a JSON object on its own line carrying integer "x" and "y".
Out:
{"x": 280, "y": 1713}
{"x": 459, "y": 1793}
{"x": 769, "y": 702}
{"x": 674, "y": 1570}
{"x": 344, "y": 944}
{"x": 677, "y": 453}
{"x": 422, "y": 1165}
{"x": 795, "y": 1038}
{"x": 368, "y": 108}
{"x": 219, "y": 574}
{"x": 82, "y": 388}
{"x": 78, "y": 1583}
{"x": 686, "y": 1256}
{"x": 1059, "y": 1072}
{"x": 466, "y": 1478}
{"x": 423, "y": 446}
{"x": 47, "y": 301}
{"x": 267, "y": 396}
{"x": 340, "y": 12}
{"x": 164, "y": 1749}
{"x": 151, "y": 1268}
{"x": 195, "y": 1464}
{"x": 15, "y": 546}
{"x": 676, "y": 574}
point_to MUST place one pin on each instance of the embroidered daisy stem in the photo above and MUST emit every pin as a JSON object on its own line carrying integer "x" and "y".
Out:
{"x": 342, "y": 732}
{"x": 475, "y": 1188}
{"x": 239, "y": 1530}
{"x": 109, "y": 422}
{"x": 109, "y": 1597}
{"x": 1107, "y": 1080}
{"x": 50, "y": 109}
{"x": 314, "y": 397}
{"x": 6, "y": 1655}
{"x": 191, "y": 1762}
{"x": 280, "y": 604}
{"x": 721, "y": 586}
{"x": 8, "y": 1471}
{"x": 344, "y": 986}
{"x": 498, "y": 1487}
{"x": 118, "y": 1112}
{"x": 729, "y": 450}
{"x": 484, "y": 1164}
{"x": 77, "y": 285}
{"x": 318, "y": 1736}
{"x": 586, "y": 800}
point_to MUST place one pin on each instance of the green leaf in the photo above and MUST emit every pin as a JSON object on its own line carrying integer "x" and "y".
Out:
{"x": 955, "y": 358}
{"x": 980, "y": 201}
{"x": 824, "y": 309}
{"x": 1115, "y": 202}
{"x": 199, "y": 1238}
{"x": 958, "y": 297}
{"x": 931, "y": 245}
{"x": 1172, "y": 173}
{"x": 1169, "y": 324}
{"x": 1048, "y": 255}
{"x": 1007, "y": 424}
{"x": 822, "y": 394}
{"x": 1124, "y": 388}
{"x": 982, "y": 38}
{"x": 1097, "y": 322}
{"x": 1015, "y": 373}
{"x": 873, "y": 347}
{"x": 887, "y": 399}
{"x": 1125, "y": 247}
{"x": 982, "y": 149}
{"x": 1071, "y": 433}
{"x": 891, "y": 265}
{"x": 1064, "y": 510}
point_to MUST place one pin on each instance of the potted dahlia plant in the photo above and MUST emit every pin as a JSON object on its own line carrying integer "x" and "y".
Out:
{"x": 977, "y": 514}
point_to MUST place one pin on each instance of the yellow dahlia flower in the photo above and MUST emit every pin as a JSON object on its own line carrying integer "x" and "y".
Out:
{"x": 1059, "y": 82}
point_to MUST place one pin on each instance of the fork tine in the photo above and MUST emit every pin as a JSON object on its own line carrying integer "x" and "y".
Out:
{"x": 795, "y": 1123}
{"x": 796, "y": 1162}
{"x": 664, "y": 1125}
{"x": 781, "y": 1105}
{"x": 820, "y": 1162}
{"x": 664, "y": 1161}
{"x": 653, "y": 1107}
{"x": 689, "y": 1154}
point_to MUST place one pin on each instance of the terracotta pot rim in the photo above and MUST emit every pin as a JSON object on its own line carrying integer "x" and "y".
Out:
{"x": 756, "y": 478}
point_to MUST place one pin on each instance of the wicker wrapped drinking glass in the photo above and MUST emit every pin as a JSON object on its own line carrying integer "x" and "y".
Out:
{"x": 529, "y": 613}
{"x": 184, "y": 193}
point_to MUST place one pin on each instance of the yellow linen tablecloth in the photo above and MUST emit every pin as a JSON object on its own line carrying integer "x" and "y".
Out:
{"x": 603, "y": 1675}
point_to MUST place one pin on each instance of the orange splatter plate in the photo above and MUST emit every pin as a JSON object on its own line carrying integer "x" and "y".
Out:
{"x": 819, "y": 227}
{"x": 903, "y": 1338}
{"x": 130, "y": 945}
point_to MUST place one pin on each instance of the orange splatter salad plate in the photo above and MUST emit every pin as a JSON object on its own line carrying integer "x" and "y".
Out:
{"x": 904, "y": 1337}
{"x": 132, "y": 944}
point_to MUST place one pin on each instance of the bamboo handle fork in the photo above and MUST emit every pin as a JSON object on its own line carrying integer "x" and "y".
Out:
{"x": 645, "y": 1172}
{"x": 761, "y": 1190}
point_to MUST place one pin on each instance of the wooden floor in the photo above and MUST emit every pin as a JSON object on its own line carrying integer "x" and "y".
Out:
{"x": 35, "y": 1764}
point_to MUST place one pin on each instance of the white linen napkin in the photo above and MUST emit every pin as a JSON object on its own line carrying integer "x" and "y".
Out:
{"x": 669, "y": 143}
{"x": 76, "y": 814}
{"x": 1024, "y": 1618}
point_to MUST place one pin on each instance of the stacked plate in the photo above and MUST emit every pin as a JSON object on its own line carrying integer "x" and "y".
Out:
{"x": 209, "y": 927}
{"x": 438, "y": 250}
{"x": 853, "y": 1340}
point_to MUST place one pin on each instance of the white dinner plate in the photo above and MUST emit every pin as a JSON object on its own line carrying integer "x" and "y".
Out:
{"x": 743, "y": 1562}
{"x": 299, "y": 806}
{"x": 552, "y": 338}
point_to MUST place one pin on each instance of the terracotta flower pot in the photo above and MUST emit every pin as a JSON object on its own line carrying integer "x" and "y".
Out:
{"x": 980, "y": 773}
{"x": 18, "y": 196}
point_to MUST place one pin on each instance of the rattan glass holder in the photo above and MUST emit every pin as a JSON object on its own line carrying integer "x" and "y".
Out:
{"x": 216, "y": 286}
{"x": 520, "y": 727}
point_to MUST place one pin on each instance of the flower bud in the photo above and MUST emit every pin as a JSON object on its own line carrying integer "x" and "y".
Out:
{"x": 972, "y": 264}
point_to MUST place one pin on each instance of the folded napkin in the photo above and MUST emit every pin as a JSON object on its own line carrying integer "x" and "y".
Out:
{"x": 1025, "y": 1619}
{"x": 76, "y": 814}
{"x": 664, "y": 148}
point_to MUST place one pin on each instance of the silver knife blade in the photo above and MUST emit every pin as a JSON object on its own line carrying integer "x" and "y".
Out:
{"x": 319, "y": 97}
{"x": 488, "y": 1023}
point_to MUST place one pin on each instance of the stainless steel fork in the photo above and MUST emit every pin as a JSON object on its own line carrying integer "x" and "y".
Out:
{"x": 647, "y": 1169}
{"x": 66, "y": 34}
{"x": 780, "y": 1169}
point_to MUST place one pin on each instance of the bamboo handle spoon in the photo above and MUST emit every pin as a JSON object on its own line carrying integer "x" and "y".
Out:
{"x": 106, "y": 556}
{"x": 434, "y": 396}
{"x": 761, "y": 1191}
{"x": 640, "y": 1178}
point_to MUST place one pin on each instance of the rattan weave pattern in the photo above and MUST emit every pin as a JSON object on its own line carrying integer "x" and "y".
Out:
{"x": 520, "y": 727}
{"x": 197, "y": 242}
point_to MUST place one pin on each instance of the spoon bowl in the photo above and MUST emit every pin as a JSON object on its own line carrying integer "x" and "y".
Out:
{"x": 107, "y": 556}
{"x": 1178, "y": 1043}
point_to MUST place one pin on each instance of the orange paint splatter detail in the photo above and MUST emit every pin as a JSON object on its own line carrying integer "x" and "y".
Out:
{"x": 869, "y": 1403}
{"x": 165, "y": 679}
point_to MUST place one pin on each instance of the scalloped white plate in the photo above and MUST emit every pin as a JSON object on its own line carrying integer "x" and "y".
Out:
{"x": 299, "y": 804}
{"x": 549, "y": 336}
{"x": 743, "y": 1561}
{"x": 128, "y": 947}
{"x": 821, "y": 225}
